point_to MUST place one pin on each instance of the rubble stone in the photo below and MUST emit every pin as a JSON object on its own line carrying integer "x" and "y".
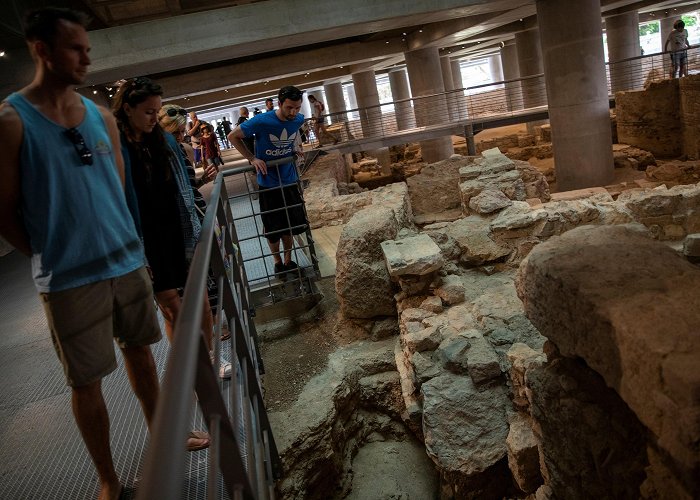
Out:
{"x": 465, "y": 427}
{"x": 523, "y": 456}
{"x": 451, "y": 290}
{"x": 416, "y": 255}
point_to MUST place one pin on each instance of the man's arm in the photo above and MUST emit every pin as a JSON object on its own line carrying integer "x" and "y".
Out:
{"x": 113, "y": 131}
{"x": 193, "y": 127}
{"x": 236, "y": 138}
{"x": 11, "y": 225}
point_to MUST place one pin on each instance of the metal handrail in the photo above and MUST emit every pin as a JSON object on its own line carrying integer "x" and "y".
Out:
{"x": 243, "y": 447}
{"x": 470, "y": 106}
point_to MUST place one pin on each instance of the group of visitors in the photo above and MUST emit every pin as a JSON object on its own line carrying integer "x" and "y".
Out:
{"x": 202, "y": 137}
{"x": 106, "y": 205}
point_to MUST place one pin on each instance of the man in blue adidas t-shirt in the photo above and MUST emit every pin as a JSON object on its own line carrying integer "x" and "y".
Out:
{"x": 281, "y": 207}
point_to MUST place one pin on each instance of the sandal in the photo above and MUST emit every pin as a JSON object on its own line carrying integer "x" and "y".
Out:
{"x": 197, "y": 436}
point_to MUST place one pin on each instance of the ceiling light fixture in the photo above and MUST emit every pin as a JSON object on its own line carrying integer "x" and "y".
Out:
{"x": 110, "y": 95}
{"x": 94, "y": 91}
{"x": 2, "y": 53}
{"x": 420, "y": 31}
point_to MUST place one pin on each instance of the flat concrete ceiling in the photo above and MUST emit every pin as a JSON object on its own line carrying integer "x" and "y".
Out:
{"x": 215, "y": 52}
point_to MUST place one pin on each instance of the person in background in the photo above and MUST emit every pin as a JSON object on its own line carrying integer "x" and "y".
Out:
{"x": 678, "y": 40}
{"x": 194, "y": 131}
{"x": 172, "y": 119}
{"x": 250, "y": 144}
{"x": 165, "y": 212}
{"x": 226, "y": 125}
{"x": 317, "y": 109}
{"x": 222, "y": 135}
{"x": 269, "y": 105}
{"x": 281, "y": 210}
{"x": 211, "y": 153}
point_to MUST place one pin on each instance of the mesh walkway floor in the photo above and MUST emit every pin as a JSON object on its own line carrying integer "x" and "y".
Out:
{"x": 42, "y": 455}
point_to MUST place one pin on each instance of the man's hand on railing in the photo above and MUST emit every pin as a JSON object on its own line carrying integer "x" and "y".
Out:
{"x": 260, "y": 165}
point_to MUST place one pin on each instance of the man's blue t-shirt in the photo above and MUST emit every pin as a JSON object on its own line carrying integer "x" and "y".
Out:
{"x": 274, "y": 139}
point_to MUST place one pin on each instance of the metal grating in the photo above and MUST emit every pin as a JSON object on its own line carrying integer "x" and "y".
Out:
{"x": 42, "y": 454}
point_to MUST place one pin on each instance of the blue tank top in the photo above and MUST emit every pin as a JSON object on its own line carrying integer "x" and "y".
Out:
{"x": 79, "y": 226}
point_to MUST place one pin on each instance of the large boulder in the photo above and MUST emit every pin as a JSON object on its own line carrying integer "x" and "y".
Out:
{"x": 362, "y": 281}
{"x": 628, "y": 306}
{"x": 434, "y": 190}
{"x": 465, "y": 426}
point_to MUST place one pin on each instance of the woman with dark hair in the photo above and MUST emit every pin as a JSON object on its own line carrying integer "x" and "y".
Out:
{"x": 159, "y": 195}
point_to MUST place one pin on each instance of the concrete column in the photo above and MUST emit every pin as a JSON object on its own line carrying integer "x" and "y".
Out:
{"x": 527, "y": 44}
{"x": 458, "y": 84}
{"x": 352, "y": 98}
{"x": 365, "y": 84}
{"x": 398, "y": 81}
{"x": 496, "y": 68}
{"x": 623, "y": 43}
{"x": 577, "y": 92}
{"x": 425, "y": 75}
{"x": 336, "y": 101}
{"x": 452, "y": 101}
{"x": 511, "y": 71}
{"x": 305, "y": 106}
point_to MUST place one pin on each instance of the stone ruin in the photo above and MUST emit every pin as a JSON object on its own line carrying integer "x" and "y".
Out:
{"x": 539, "y": 347}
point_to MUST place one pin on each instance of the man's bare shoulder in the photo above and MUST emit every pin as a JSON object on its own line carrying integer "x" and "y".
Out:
{"x": 106, "y": 113}
{"x": 8, "y": 115}
{"x": 11, "y": 125}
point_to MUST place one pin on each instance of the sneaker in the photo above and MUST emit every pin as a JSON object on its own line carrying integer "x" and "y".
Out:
{"x": 281, "y": 271}
{"x": 291, "y": 267}
{"x": 225, "y": 371}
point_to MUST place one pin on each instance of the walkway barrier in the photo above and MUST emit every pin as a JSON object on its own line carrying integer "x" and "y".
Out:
{"x": 266, "y": 286}
{"x": 242, "y": 447}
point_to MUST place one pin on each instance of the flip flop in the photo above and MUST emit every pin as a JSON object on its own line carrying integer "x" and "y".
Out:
{"x": 202, "y": 436}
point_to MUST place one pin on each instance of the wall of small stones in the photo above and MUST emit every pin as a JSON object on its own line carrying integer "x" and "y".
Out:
{"x": 652, "y": 119}
{"x": 465, "y": 344}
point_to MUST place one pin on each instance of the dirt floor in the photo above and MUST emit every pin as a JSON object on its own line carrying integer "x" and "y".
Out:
{"x": 294, "y": 351}
{"x": 393, "y": 470}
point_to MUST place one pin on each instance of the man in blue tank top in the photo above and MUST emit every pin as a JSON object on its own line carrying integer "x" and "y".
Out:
{"x": 281, "y": 203}
{"x": 62, "y": 203}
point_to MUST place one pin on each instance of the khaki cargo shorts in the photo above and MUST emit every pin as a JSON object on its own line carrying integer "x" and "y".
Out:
{"x": 85, "y": 321}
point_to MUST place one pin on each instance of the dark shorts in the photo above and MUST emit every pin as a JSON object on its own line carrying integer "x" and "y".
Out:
{"x": 86, "y": 320}
{"x": 679, "y": 57}
{"x": 278, "y": 220}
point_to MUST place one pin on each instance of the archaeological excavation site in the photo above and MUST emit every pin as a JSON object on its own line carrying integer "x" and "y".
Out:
{"x": 486, "y": 334}
{"x": 371, "y": 250}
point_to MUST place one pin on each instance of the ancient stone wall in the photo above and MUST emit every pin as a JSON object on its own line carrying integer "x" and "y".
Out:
{"x": 664, "y": 118}
{"x": 690, "y": 113}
